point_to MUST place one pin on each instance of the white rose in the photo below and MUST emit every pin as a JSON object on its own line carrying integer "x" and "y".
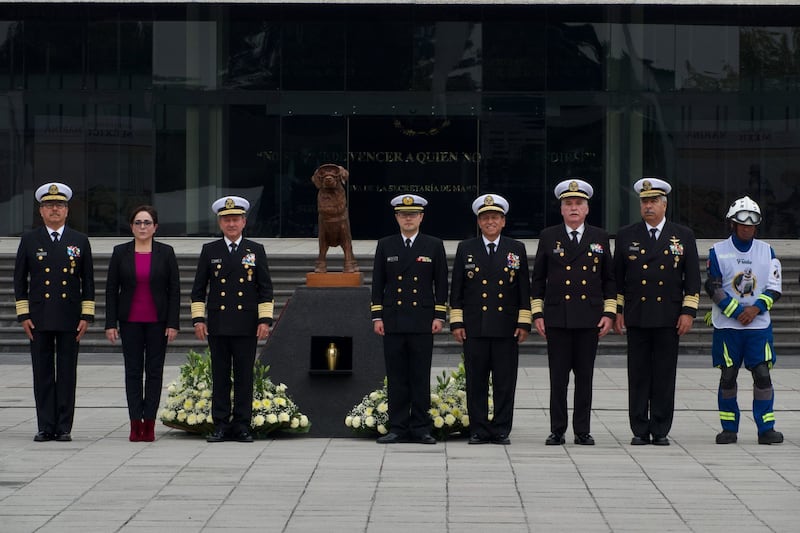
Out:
{"x": 382, "y": 429}
{"x": 370, "y": 421}
{"x": 438, "y": 422}
{"x": 172, "y": 388}
{"x": 272, "y": 419}
{"x": 205, "y": 394}
{"x": 374, "y": 395}
{"x": 295, "y": 423}
{"x": 383, "y": 407}
{"x": 283, "y": 417}
{"x": 303, "y": 421}
{"x": 465, "y": 421}
{"x": 356, "y": 422}
{"x": 258, "y": 420}
{"x": 348, "y": 421}
{"x": 281, "y": 388}
{"x": 181, "y": 416}
{"x": 191, "y": 419}
{"x": 201, "y": 417}
{"x": 202, "y": 385}
{"x": 449, "y": 420}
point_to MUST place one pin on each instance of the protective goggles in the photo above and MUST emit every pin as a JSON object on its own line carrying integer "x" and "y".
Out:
{"x": 747, "y": 217}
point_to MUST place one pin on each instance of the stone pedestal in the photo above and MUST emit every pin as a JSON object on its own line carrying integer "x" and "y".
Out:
{"x": 334, "y": 279}
{"x": 312, "y": 319}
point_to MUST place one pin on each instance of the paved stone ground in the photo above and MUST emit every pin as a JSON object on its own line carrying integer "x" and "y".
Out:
{"x": 100, "y": 482}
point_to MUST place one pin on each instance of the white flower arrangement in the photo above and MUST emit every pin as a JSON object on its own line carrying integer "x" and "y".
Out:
{"x": 448, "y": 408}
{"x": 371, "y": 415}
{"x": 188, "y": 404}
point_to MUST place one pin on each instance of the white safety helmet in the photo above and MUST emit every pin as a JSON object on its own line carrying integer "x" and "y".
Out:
{"x": 744, "y": 211}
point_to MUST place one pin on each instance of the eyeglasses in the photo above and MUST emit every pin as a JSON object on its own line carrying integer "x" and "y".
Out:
{"x": 54, "y": 205}
{"x": 744, "y": 217}
{"x": 142, "y": 222}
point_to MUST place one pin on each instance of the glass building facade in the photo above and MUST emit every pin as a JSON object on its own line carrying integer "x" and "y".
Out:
{"x": 179, "y": 104}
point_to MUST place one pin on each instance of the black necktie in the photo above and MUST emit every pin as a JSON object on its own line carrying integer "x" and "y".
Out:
{"x": 55, "y": 236}
{"x": 233, "y": 248}
{"x": 408, "y": 243}
{"x": 653, "y": 233}
{"x": 491, "y": 246}
{"x": 574, "y": 234}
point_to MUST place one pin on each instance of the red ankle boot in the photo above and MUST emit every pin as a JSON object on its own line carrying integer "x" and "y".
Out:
{"x": 148, "y": 431}
{"x": 136, "y": 431}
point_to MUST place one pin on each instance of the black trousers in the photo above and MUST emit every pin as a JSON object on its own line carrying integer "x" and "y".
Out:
{"x": 408, "y": 371}
{"x": 237, "y": 353}
{"x": 54, "y": 358}
{"x": 498, "y": 356}
{"x": 652, "y": 366}
{"x": 571, "y": 350}
{"x": 143, "y": 346}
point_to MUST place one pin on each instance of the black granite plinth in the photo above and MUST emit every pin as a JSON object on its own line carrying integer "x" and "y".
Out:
{"x": 296, "y": 353}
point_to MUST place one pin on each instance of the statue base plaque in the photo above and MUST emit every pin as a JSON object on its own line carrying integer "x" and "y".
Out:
{"x": 334, "y": 279}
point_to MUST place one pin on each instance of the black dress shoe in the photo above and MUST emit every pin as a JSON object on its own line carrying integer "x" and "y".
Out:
{"x": 425, "y": 439}
{"x": 477, "y": 439}
{"x": 640, "y": 441}
{"x": 243, "y": 436}
{"x": 63, "y": 437}
{"x": 555, "y": 439}
{"x": 42, "y": 436}
{"x": 501, "y": 439}
{"x": 391, "y": 438}
{"x": 217, "y": 436}
{"x": 660, "y": 441}
{"x": 584, "y": 439}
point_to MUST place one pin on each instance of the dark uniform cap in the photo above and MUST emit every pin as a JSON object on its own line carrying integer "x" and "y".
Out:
{"x": 405, "y": 203}
{"x": 53, "y": 192}
{"x": 230, "y": 205}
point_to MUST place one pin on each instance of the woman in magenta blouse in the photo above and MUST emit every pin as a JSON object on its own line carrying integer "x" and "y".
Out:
{"x": 143, "y": 297}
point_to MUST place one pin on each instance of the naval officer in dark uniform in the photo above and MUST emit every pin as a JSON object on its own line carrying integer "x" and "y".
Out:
{"x": 232, "y": 273}
{"x": 490, "y": 315}
{"x": 658, "y": 284}
{"x": 54, "y": 291}
{"x": 409, "y": 306}
{"x": 574, "y": 304}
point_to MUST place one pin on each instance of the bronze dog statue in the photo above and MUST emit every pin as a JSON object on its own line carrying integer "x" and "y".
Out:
{"x": 334, "y": 221}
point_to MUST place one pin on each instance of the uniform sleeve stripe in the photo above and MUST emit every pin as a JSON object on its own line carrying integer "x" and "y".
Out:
{"x": 442, "y": 308}
{"x": 610, "y": 306}
{"x": 376, "y": 308}
{"x": 537, "y": 306}
{"x": 23, "y": 307}
{"x": 621, "y": 300}
{"x": 456, "y": 316}
{"x": 524, "y": 317}
{"x": 198, "y": 309}
{"x": 691, "y": 301}
{"x": 87, "y": 307}
{"x": 265, "y": 309}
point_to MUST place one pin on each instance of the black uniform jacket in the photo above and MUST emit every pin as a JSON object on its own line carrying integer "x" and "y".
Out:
{"x": 490, "y": 297}
{"x": 658, "y": 281}
{"x": 573, "y": 286}
{"x": 60, "y": 291}
{"x": 409, "y": 286}
{"x": 165, "y": 284}
{"x": 239, "y": 288}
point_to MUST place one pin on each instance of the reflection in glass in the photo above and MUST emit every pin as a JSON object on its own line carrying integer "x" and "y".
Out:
{"x": 254, "y": 57}
{"x": 770, "y": 58}
{"x": 707, "y": 57}
{"x": 313, "y": 56}
{"x": 447, "y": 57}
{"x": 575, "y": 56}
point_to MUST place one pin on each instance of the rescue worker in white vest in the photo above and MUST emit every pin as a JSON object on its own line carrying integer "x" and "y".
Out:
{"x": 744, "y": 281}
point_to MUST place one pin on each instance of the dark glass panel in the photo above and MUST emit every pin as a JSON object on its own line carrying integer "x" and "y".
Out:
{"x": 308, "y": 142}
{"x": 379, "y": 56}
{"x": 575, "y": 137}
{"x": 514, "y": 56}
{"x": 435, "y": 157}
{"x": 313, "y": 56}
{"x": 575, "y": 57}
{"x": 171, "y": 185}
{"x": 254, "y": 166}
{"x": 641, "y": 57}
{"x": 54, "y": 54}
{"x": 10, "y": 54}
{"x": 136, "y": 54}
{"x": 513, "y": 161}
{"x": 254, "y": 55}
{"x": 102, "y": 55}
{"x": 770, "y": 58}
{"x": 447, "y": 56}
{"x": 707, "y": 57}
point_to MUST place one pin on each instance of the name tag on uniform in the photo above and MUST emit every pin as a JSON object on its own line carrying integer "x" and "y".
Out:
{"x": 216, "y": 261}
{"x": 392, "y": 259}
